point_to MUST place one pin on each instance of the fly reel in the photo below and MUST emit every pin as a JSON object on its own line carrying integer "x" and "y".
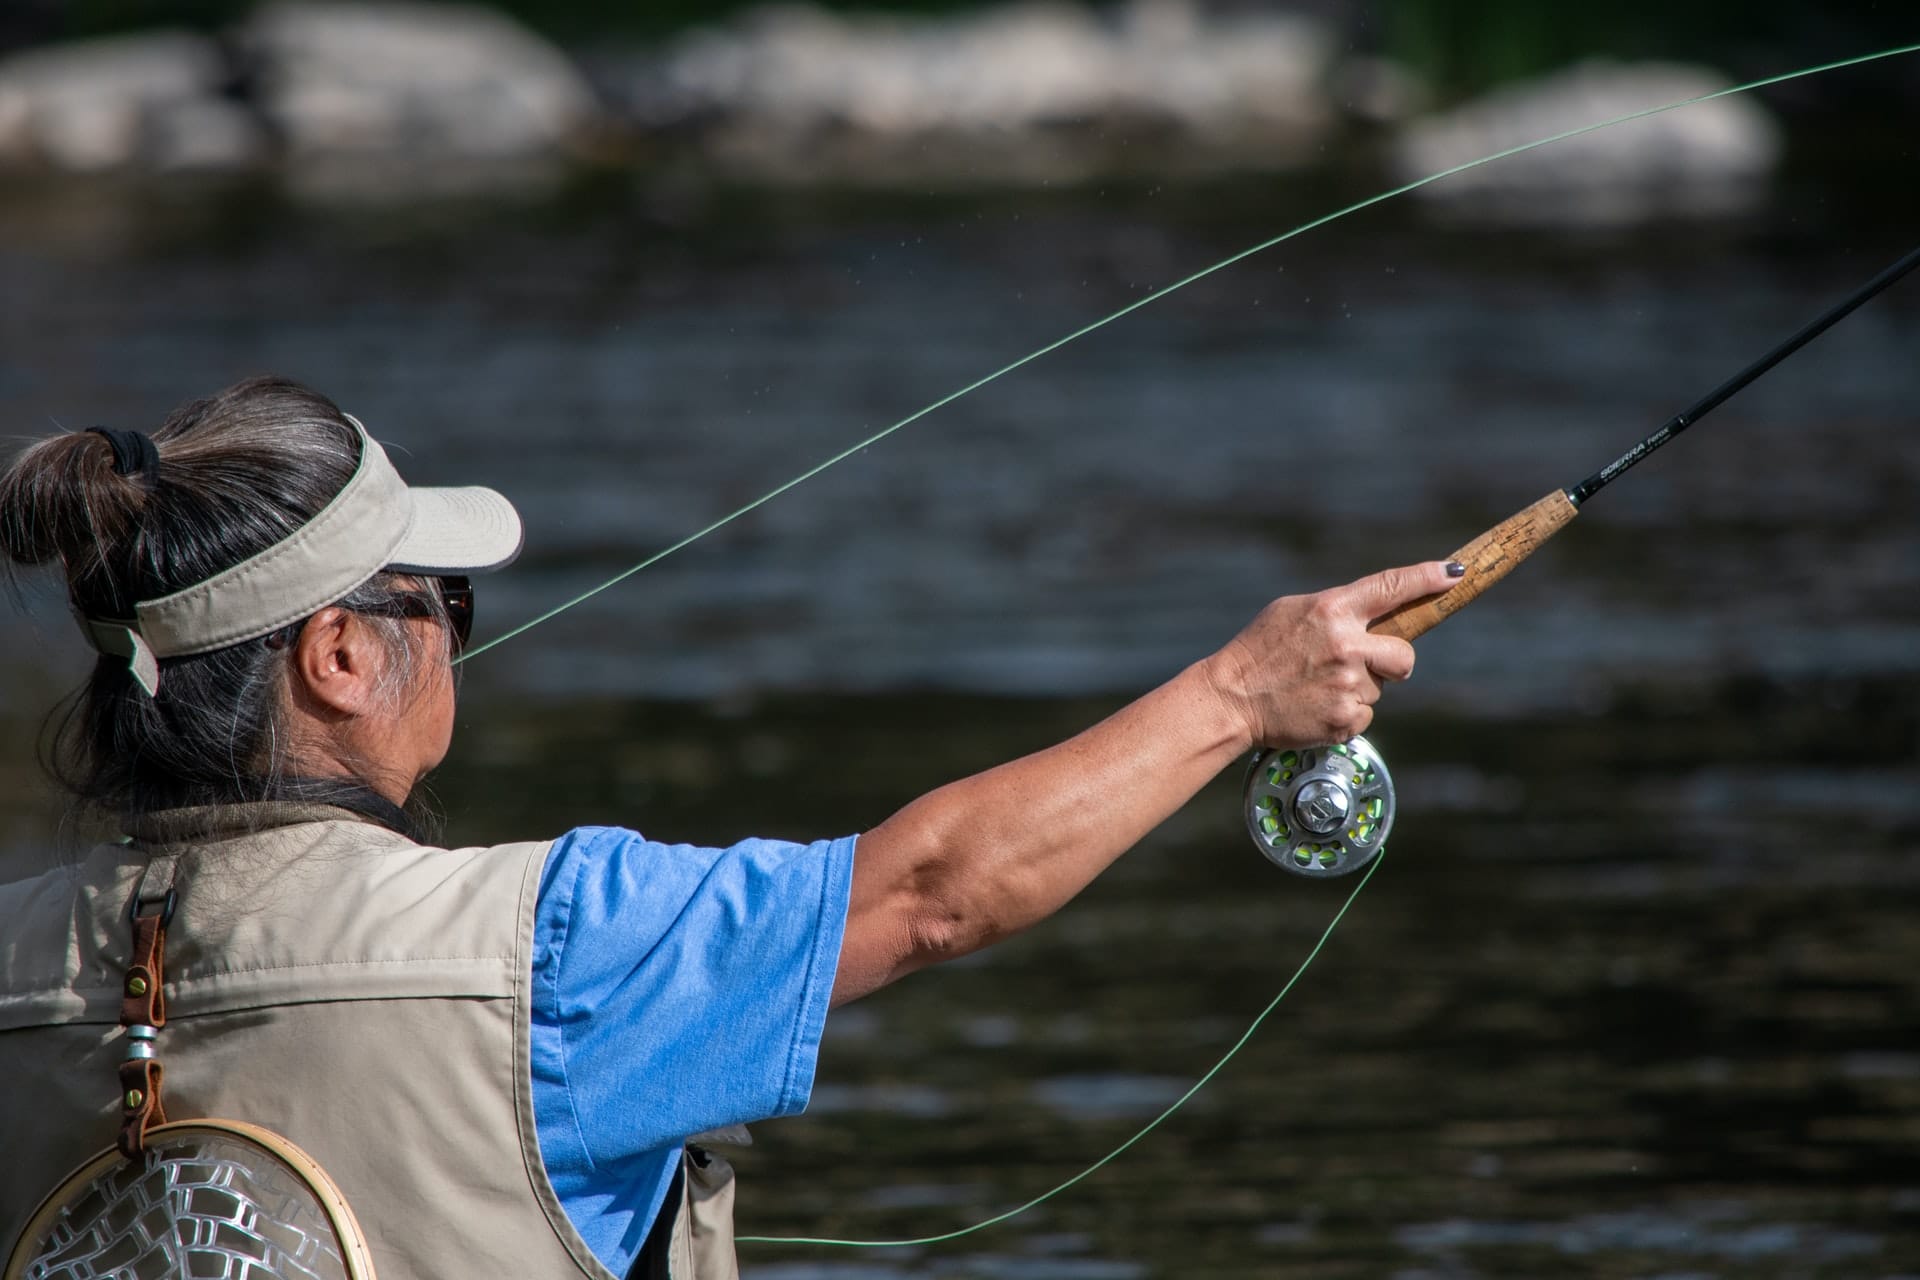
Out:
{"x": 1320, "y": 811}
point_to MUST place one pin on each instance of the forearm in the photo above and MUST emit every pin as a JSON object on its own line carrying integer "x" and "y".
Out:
{"x": 986, "y": 856}
{"x": 989, "y": 855}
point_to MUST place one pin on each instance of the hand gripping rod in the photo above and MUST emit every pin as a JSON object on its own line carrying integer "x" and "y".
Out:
{"x": 1497, "y": 552}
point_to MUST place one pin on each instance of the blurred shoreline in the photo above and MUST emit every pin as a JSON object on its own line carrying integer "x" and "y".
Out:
{"x": 388, "y": 105}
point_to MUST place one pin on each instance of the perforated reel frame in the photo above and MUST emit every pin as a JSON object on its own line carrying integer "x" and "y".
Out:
{"x": 1293, "y": 795}
{"x": 209, "y": 1197}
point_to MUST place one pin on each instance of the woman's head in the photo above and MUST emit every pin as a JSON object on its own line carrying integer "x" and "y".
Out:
{"x": 246, "y": 640}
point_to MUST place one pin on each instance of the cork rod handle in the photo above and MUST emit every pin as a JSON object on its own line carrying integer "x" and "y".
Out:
{"x": 1489, "y": 558}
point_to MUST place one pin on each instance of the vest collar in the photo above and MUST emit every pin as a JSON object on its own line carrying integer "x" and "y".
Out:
{"x": 206, "y": 823}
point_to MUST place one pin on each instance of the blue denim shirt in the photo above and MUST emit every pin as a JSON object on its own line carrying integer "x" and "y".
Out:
{"x": 675, "y": 989}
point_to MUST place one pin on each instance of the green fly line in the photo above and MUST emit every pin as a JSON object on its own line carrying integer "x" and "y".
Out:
{"x": 1114, "y": 1154}
{"x": 1155, "y": 296}
{"x": 1051, "y": 347}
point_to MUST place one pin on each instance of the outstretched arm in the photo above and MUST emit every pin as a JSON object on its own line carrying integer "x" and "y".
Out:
{"x": 985, "y": 857}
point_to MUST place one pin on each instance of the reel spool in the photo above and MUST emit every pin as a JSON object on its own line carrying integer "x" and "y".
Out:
{"x": 1320, "y": 811}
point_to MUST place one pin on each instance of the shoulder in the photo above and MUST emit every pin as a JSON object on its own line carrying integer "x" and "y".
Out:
{"x": 617, "y": 861}
{"x": 296, "y": 870}
{"x": 620, "y": 883}
{"x": 48, "y": 931}
{"x": 343, "y": 910}
{"x": 54, "y": 886}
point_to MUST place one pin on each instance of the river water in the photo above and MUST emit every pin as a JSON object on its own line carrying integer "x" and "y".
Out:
{"x": 1635, "y": 991}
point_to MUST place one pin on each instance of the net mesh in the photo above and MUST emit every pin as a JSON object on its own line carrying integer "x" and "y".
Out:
{"x": 196, "y": 1205}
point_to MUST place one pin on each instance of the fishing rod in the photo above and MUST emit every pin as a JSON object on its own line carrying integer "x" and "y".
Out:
{"x": 1326, "y": 811}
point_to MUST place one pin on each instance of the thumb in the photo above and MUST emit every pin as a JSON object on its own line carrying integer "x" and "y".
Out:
{"x": 1383, "y": 592}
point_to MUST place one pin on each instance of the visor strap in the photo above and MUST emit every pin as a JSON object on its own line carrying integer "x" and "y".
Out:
{"x": 116, "y": 638}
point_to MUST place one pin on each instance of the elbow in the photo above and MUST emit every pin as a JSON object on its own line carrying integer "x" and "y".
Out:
{"x": 933, "y": 892}
{"x": 941, "y": 927}
{"x": 956, "y": 913}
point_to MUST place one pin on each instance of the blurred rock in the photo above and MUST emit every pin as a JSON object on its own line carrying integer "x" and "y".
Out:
{"x": 1709, "y": 158}
{"x": 365, "y": 96}
{"x": 152, "y": 102}
{"x": 1043, "y": 90}
{"x": 1377, "y": 90}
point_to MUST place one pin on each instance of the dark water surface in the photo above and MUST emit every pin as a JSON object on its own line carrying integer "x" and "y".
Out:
{"x": 1636, "y": 991}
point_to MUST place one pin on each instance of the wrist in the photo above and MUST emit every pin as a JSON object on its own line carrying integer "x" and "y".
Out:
{"x": 1220, "y": 678}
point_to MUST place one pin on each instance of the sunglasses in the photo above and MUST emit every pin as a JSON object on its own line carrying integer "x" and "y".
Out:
{"x": 456, "y": 594}
{"x": 455, "y": 601}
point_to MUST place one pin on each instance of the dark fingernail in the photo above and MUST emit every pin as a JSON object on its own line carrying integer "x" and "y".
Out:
{"x": 1455, "y": 569}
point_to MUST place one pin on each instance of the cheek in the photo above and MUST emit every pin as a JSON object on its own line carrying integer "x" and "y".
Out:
{"x": 443, "y": 709}
{"x": 432, "y": 717}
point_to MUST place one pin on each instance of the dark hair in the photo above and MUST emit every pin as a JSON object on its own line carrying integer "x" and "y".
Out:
{"x": 237, "y": 472}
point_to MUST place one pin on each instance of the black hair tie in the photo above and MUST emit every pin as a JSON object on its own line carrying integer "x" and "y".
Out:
{"x": 134, "y": 452}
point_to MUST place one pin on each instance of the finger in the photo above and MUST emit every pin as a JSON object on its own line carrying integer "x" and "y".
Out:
{"x": 1387, "y": 657}
{"x": 1384, "y": 592}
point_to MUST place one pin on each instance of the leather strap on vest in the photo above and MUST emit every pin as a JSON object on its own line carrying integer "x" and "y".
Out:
{"x": 143, "y": 1007}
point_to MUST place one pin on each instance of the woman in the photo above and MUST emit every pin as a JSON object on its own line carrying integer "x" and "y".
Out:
{"x": 499, "y": 1054}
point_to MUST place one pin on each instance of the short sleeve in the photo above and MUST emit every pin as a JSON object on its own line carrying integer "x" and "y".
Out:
{"x": 676, "y": 989}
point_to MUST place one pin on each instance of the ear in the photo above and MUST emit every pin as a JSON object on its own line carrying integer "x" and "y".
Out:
{"x": 336, "y": 662}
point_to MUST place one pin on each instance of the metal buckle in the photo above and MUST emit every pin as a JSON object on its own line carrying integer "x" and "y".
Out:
{"x": 167, "y": 904}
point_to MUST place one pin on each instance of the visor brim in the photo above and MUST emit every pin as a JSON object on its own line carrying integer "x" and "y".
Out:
{"x": 459, "y": 531}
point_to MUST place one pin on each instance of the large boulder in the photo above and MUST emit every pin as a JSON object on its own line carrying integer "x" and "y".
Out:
{"x": 1029, "y": 89}
{"x": 1710, "y": 157}
{"x": 153, "y": 102}
{"x": 408, "y": 92}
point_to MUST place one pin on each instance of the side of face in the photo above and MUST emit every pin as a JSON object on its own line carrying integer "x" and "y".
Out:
{"x": 353, "y": 713}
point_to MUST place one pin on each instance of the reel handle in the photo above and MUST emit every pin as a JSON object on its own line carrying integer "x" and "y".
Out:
{"x": 1489, "y": 558}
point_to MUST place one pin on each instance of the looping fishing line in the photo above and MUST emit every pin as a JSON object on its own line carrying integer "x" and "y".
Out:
{"x": 1051, "y": 347}
{"x": 1155, "y": 296}
{"x": 1112, "y": 1155}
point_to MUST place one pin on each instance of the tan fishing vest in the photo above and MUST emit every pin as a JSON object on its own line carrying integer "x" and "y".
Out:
{"x": 334, "y": 982}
